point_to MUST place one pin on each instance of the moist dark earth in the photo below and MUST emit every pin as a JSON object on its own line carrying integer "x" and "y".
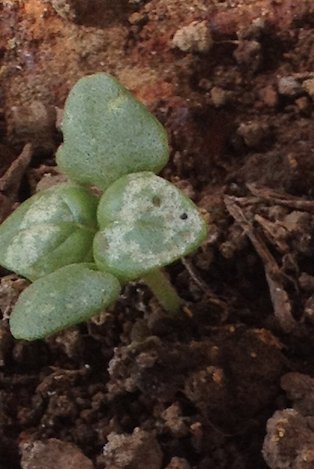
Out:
{"x": 228, "y": 384}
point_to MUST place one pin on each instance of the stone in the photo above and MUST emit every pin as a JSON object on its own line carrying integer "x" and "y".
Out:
{"x": 195, "y": 37}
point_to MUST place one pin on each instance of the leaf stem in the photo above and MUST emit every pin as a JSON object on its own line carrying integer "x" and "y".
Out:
{"x": 162, "y": 288}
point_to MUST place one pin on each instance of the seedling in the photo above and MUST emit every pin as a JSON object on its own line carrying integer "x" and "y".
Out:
{"x": 78, "y": 249}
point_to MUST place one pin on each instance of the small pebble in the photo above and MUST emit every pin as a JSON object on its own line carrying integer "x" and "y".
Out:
{"x": 137, "y": 18}
{"x": 304, "y": 104}
{"x": 194, "y": 37}
{"x": 219, "y": 96}
{"x": 269, "y": 96}
{"x": 308, "y": 85}
{"x": 289, "y": 86}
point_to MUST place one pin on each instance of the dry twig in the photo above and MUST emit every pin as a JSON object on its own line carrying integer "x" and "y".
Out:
{"x": 274, "y": 276}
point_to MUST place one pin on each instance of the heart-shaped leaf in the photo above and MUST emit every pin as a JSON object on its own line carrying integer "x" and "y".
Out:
{"x": 51, "y": 229}
{"x": 145, "y": 223}
{"x": 63, "y": 298}
{"x": 108, "y": 133}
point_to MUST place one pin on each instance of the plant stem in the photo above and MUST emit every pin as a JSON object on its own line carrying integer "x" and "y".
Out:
{"x": 162, "y": 288}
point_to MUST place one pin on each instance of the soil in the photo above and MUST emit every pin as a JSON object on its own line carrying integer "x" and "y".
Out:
{"x": 229, "y": 383}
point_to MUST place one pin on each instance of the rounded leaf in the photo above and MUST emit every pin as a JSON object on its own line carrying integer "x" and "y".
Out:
{"x": 66, "y": 297}
{"x": 108, "y": 133}
{"x": 51, "y": 229}
{"x": 145, "y": 223}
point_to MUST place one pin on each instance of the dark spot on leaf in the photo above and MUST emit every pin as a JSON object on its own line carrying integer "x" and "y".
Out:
{"x": 156, "y": 201}
{"x": 183, "y": 216}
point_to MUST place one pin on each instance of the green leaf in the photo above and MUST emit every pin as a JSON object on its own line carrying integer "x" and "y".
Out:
{"x": 66, "y": 297}
{"x": 108, "y": 133}
{"x": 145, "y": 223}
{"x": 51, "y": 229}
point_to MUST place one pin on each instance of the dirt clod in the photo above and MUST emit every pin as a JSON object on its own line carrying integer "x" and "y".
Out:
{"x": 308, "y": 85}
{"x": 219, "y": 96}
{"x": 269, "y": 96}
{"x": 178, "y": 463}
{"x": 34, "y": 123}
{"x": 289, "y": 443}
{"x": 69, "y": 9}
{"x": 300, "y": 390}
{"x": 137, "y": 451}
{"x": 249, "y": 53}
{"x": 174, "y": 421}
{"x": 52, "y": 454}
{"x": 289, "y": 86}
{"x": 253, "y": 133}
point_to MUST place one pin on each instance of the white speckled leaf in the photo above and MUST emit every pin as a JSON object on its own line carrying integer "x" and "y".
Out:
{"x": 61, "y": 299}
{"x": 145, "y": 223}
{"x": 51, "y": 229}
{"x": 108, "y": 133}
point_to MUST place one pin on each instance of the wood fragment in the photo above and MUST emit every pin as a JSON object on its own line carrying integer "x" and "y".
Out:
{"x": 274, "y": 276}
{"x": 275, "y": 232}
{"x": 5, "y": 207}
{"x": 11, "y": 180}
{"x": 211, "y": 296}
{"x": 285, "y": 200}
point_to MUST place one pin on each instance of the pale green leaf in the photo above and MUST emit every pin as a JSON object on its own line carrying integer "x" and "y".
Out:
{"x": 108, "y": 133}
{"x": 145, "y": 223}
{"x": 51, "y": 229}
{"x": 63, "y": 298}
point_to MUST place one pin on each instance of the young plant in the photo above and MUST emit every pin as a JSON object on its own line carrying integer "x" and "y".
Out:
{"x": 78, "y": 249}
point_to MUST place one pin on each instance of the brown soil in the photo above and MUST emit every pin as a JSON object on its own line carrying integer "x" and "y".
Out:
{"x": 233, "y": 83}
